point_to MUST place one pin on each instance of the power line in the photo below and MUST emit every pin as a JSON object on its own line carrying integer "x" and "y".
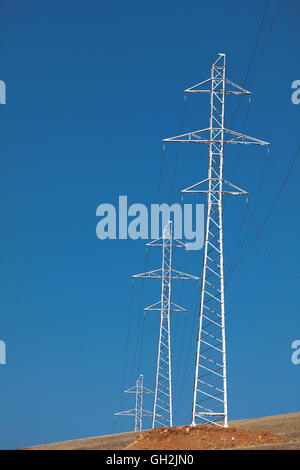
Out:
{"x": 273, "y": 257}
{"x": 270, "y": 212}
{"x": 163, "y": 162}
{"x": 236, "y": 253}
{"x": 138, "y": 347}
{"x": 127, "y": 343}
{"x": 177, "y": 151}
{"x": 245, "y": 82}
{"x": 248, "y": 110}
{"x": 266, "y": 40}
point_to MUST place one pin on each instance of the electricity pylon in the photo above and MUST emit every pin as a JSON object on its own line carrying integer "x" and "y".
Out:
{"x": 210, "y": 386}
{"x": 162, "y": 409}
{"x": 138, "y": 412}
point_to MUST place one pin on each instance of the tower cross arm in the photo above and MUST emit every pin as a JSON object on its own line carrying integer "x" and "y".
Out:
{"x": 158, "y": 307}
{"x": 221, "y": 135}
{"x": 147, "y": 390}
{"x": 155, "y": 274}
{"x": 159, "y": 274}
{"x": 244, "y": 139}
{"x": 147, "y": 413}
{"x": 125, "y": 413}
{"x": 180, "y": 275}
{"x": 233, "y": 90}
{"x": 160, "y": 242}
{"x": 202, "y": 187}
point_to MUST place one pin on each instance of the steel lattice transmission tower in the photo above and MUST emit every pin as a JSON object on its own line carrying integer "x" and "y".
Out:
{"x": 138, "y": 412}
{"x": 210, "y": 386}
{"x": 162, "y": 409}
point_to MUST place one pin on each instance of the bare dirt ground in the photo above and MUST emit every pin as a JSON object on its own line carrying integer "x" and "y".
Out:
{"x": 285, "y": 427}
{"x": 109, "y": 442}
{"x": 202, "y": 437}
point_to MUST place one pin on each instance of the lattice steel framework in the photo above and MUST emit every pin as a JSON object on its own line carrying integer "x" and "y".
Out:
{"x": 210, "y": 386}
{"x": 162, "y": 408}
{"x": 138, "y": 412}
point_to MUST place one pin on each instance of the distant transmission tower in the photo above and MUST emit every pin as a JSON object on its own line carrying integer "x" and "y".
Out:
{"x": 162, "y": 410}
{"x": 210, "y": 386}
{"x": 138, "y": 412}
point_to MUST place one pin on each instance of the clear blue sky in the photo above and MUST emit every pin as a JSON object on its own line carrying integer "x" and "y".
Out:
{"x": 92, "y": 88}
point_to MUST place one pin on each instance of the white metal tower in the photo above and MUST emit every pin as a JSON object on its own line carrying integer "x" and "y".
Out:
{"x": 138, "y": 412}
{"x": 162, "y": 409}
{"x": 210, "y": 386}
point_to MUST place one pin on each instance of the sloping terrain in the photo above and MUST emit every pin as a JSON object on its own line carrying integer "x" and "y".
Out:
{"x": 109, "y": 442}
{"x": 203, "y": 437}
{"x": 286, "y": 426}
